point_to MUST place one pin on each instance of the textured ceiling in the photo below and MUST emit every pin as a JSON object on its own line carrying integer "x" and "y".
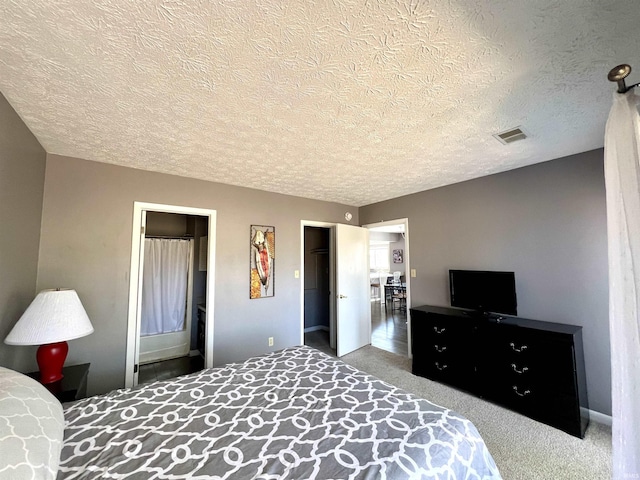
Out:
{"x": 346, "y": 101}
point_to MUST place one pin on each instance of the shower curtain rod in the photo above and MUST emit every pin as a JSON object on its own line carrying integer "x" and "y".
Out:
{"x": 171, "y": 237}
{"x": 618, "y": 74}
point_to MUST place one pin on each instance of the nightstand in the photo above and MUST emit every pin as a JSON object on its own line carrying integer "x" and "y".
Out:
{"x": 72, "y": 387}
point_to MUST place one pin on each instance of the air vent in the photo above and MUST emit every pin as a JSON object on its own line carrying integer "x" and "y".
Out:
{"x": 511, "y": 135}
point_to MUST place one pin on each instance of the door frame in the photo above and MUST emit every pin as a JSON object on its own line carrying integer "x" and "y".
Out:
{"x": 332, "y": 278}
{"x": 407, "y": 268}
{"x": 135, "y": 282}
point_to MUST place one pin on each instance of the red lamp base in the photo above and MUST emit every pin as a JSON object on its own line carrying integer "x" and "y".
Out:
{"x": 50, "y": 359}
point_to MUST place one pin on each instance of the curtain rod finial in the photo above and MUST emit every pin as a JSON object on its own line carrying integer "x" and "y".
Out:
{"x": 618, "y": 74}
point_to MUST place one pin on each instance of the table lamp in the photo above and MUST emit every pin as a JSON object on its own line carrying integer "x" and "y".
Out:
{"x": 53, "y": 317}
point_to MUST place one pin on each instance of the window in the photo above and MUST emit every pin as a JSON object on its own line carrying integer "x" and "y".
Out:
{"x": 379, "y": 257}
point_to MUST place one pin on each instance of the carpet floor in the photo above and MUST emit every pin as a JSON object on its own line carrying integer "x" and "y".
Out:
{"x": 522, "y": 448}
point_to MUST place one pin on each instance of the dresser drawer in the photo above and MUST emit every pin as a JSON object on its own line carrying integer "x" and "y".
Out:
{"x": 524, "y": 356}
{"x": 541, "y": 403}
{"x": 447, "y": 368}
{"x": 443, "y": 351}
{"x": 433, "y": 329}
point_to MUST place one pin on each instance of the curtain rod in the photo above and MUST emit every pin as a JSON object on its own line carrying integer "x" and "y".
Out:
{"x": 170, "y": 237}
{"x": 618, "y": 74}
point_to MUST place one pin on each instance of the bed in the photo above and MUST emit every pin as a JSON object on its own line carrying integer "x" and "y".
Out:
{"x": 296, "y": 413}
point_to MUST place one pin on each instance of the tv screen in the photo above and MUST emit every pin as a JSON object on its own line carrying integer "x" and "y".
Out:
{"x": 483, "y": 291}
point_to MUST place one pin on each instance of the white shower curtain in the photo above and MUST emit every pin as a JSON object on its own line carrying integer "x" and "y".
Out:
{"x": 622, "y": 179}
{"x": 164, "y": 285}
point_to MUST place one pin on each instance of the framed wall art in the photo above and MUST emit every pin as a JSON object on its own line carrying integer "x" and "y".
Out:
{"x": 262, "y": 261}
{"x": 397, "y": 256}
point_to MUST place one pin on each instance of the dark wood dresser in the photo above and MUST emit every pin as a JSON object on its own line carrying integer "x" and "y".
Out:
{"x": 530, "y": 366}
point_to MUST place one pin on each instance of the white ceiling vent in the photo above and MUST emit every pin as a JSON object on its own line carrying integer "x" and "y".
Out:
{"x": 511, "y": 135}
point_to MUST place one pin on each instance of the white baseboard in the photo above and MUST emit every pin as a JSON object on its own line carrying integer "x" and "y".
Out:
{"x": 600, "y": 417}
{"x": 317, "y": 327}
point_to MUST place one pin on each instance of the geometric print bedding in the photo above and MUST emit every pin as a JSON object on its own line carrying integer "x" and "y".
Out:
{"x": 31, "y": 428}
{"x": 293, "y": 414}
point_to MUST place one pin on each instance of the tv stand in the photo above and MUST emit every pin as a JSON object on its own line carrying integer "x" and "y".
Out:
{"x": 535, "y": 368}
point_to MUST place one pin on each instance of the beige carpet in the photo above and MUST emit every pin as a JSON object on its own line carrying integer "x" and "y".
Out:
{"x": 522, "y": 448}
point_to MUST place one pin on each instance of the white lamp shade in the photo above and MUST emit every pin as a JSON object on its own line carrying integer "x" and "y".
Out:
{"x": 53, "y": 316}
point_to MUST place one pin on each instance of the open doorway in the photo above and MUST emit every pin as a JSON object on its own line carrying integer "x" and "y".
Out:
{"x": 348, "y": 271}
{"x": 389, "y": 286}
{"x": 173, "y": 296}
{"x": 170, "y": 325}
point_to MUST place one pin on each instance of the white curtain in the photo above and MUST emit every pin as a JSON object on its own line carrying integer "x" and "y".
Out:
{"x": 164, "y": 285}
{"x": 622, "y": 178}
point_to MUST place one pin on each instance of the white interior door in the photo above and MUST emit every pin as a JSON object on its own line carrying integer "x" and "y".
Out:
{"x": 352, "y": 289}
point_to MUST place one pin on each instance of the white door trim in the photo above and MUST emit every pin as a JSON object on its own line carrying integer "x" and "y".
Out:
{"x": 407, "y": 260}
{"x": 332, "y": 278}
{"x": 133, "y": 326}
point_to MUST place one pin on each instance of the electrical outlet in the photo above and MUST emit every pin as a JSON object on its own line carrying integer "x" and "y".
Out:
{"x": 271, "y": 341}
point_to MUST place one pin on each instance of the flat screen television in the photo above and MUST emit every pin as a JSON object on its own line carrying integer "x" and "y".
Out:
{"x": 485, "y": 292}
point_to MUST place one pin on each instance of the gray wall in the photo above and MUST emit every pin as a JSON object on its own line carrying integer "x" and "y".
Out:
{"x": 546, "y": 222}
{"x": 86, "y": 244}
{"x": 22, "y": 168}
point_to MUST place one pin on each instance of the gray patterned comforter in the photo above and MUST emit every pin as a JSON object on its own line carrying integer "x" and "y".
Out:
{"x": 293, "y": 414}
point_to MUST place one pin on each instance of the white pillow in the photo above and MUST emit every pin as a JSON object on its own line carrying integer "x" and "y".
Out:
{"x": 31, "y": 428}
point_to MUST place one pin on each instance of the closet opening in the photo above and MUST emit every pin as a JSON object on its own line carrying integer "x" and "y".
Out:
{"x": 317, "y": 289}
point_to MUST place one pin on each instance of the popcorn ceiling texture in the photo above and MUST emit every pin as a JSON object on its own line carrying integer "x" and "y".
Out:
{"x": 346, "y": 101}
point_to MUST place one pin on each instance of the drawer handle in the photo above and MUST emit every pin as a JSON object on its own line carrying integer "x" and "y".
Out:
{"x": 440, "y": 349}
{"x": 516, "y": 349}
{"x": 523, "y": 394}
{"x": 435, "y": 329}
{"x": 440, "y": 367}
{"x": 515, "y": 368}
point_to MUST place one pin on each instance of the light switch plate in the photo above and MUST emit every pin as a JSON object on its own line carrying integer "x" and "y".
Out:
{"x": 413, "y": 273}
{"x": 296, "y": 273}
